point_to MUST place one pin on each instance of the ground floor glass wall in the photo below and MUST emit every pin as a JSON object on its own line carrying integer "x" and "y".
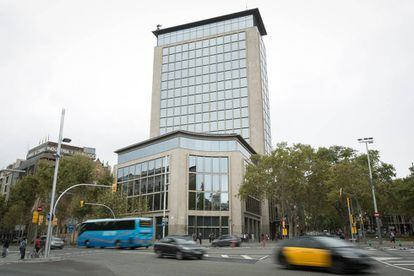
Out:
{"x": 218, "y": 225}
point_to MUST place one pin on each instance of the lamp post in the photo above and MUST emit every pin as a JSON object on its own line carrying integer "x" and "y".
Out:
{"x": 55, "y": 175}
{"x": 367, "y": 141}
{"x": 102, "y": 205}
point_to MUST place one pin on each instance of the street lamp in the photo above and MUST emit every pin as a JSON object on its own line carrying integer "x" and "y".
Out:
{"x": 367, "y": 141}
{"x": 55, "y": 175}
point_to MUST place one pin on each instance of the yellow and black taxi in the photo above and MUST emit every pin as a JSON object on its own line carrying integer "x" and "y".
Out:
{"x": 336, "y": 255}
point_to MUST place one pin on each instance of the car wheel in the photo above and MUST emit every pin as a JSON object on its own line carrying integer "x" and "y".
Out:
{"x": 200, "y": 257}
{"x": 283, "y": 261}
{"x": 179, "y": 255}
{"x": 87, "y": 244}
{"x": 146, "y": 246}
{"x": 118, "y": 245}
{"x": 338, "y": 267}
{"x": 158, "y": 253}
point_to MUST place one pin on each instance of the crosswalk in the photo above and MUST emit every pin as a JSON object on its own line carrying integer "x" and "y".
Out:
{"x": 404, "y": 263}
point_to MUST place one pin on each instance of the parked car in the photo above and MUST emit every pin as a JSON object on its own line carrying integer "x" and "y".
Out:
{"x": 178, "y": 247}
{"x": 333, "y": 254}
{"x": 55, "y": 242}
{"x": 226, "y": 240}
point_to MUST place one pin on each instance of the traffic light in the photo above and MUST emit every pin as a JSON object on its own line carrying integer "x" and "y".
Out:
{"x": 82, "y": 202}
{"x": 35, "y": 217}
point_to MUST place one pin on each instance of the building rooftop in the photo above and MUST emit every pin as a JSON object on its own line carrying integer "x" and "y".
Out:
{"x": 255, "y": 12}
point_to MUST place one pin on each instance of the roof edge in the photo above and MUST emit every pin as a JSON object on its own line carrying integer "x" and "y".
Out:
{"x": 187, "y": 133}
{"x": 255, "y": 12}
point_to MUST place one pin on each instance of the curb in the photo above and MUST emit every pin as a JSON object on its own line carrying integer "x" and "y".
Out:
{"x": 31, "y": 261}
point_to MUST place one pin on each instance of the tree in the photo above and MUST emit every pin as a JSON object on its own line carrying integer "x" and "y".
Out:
{"x": 306, "y": 183}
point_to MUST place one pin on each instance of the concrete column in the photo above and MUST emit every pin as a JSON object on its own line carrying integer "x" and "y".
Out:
{"x": 254, "y": 85}
{"x": 156, "y": 93}
{"x": 177, "y": 196}
{"x": 235, "y": 180}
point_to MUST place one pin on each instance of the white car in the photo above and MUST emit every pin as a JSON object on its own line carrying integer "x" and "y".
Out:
{"x": 55, "y": 242}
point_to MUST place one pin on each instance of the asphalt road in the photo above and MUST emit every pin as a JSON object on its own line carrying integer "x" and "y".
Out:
{"x": 219, "y": 261}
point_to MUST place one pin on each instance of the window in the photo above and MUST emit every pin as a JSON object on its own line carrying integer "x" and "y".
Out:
{"x": 208, "y": 183}
{"x": 212, "y": 73}
{"x": 145, "y": 181}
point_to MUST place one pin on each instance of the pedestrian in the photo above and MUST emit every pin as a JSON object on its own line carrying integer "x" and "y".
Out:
{"x": 22, "y": 248}
{"x": 200, "y": 237}
{"x": 6, "y": 244}
{"x": 392, "y": 236}
{"x": 262, "y": 240}
{"x": 38, "y": 245}
{"x": 194, "y": 237}
{"x": 210, "y": 237}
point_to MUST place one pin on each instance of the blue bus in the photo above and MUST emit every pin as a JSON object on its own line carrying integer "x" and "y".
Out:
{"x": 119, "y": 233}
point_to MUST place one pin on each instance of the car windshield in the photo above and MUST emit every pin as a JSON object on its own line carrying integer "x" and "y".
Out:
{"x": 184, "y": 241}
{"x": 332, "y": 242}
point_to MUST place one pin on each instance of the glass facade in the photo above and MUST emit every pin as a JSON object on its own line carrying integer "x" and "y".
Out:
{"x": 146, "y": 181}
{"x": 206, "y": 30}
{"x": 183, "y": 142}
{"x": 208, "y": 183}
{"x": 218, "y": 225}
{"x": 204, "y": 86}
{"x": 265, "y": 96}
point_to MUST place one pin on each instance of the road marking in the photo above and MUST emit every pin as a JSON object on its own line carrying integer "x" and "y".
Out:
{"x": 225, "y": 256}
{"x": 403, "y": 268}
{"x": 246, "y": 257}
{"x": 264, "y": 257}
{"x": 396, "y": 262}
{"x": 386, "y": 258}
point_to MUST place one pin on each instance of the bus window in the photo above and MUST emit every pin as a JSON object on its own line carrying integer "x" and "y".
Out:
{"x": 145, "y": 223}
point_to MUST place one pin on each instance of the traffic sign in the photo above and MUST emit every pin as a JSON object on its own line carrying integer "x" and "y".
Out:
{"x": 48, "y": 216}
{"x": 376, "y": 214}
{"x": 71, "y": 228}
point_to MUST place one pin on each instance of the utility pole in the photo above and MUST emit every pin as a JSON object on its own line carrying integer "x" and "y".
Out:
{"x": 367, "y": 141}
{"x": 348, "y": 204}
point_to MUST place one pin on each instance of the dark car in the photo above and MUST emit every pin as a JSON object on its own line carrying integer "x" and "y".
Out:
{"x": 226, "y": 240}
{"x": 178, "y": 247}
{"x": 336, "y": 255}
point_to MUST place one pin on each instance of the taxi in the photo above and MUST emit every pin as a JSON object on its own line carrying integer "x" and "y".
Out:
{"x": 335, "y": 255}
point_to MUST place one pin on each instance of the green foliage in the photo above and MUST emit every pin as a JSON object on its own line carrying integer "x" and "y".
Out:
{"x": 35, "y": 190}
{"x": 305, "y": 183}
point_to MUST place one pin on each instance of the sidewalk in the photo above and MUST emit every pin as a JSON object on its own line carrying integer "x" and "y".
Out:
{"x": 14, "y": 257}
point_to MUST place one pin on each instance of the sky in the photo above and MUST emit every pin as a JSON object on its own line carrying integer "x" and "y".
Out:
{"x": 338, "y": 71}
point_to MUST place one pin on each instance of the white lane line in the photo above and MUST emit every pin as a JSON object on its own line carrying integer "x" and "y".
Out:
{"x": 403, "y": 268}
{"x": 206, "y": 255}
{"x": 396, "y": 262}
{"x": 386, "y": 258}
{"x": 225, "y": 256}
{"x": 246, "y": 257}
{"x": 264, "y": 257}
